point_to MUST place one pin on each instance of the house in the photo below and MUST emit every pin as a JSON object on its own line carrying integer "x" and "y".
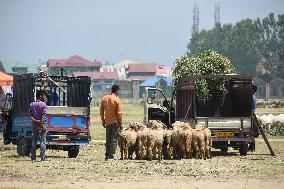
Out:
{"x": 101, "y": 83}
{"x": 17, "y": 68}
{"x": 141, "y": 71}
{"x": 73, "y": 64}
{"x": 121, "y": 71}
{"x": 163, "y": 71}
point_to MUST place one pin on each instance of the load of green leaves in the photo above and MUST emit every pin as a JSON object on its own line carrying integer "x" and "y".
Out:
{"x": 207, "y": 63}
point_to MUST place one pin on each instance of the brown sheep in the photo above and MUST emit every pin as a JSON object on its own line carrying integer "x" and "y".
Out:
{"x": 127, "y": 143}
{"x": 208, "y": 143}
{"x": 168, "y": 148}
{"x": 154, "y": 144}
{"x": 142, "y": 139}
{"x": 198, "y": 143}
{"x": 156, "y": 124}
{"x": 182, "y": 140}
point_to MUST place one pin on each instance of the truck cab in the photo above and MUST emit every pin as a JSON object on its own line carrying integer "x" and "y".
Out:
{"x": 67, "y": 116}
{"x": 228, "y": 116}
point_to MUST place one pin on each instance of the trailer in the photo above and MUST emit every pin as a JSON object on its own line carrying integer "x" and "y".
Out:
{"x": 229, "y": 116}
{"x": 67, "y": 116}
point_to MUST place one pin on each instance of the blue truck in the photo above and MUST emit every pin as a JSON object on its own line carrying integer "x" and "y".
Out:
{"x": 67, "y": 118}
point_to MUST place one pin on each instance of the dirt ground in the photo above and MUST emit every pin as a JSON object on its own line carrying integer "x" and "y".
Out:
{"x": 89, "y": 170}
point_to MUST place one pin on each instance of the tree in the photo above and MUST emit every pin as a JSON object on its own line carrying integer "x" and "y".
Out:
{"x": 248, "y": 44}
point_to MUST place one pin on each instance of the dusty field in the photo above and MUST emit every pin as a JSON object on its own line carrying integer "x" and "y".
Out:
{"x": 89, "y": 170}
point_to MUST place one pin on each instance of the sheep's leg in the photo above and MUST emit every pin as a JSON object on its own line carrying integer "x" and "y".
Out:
{"x": 126, "y": 152}
{"x": 121, "y": 153}
{"x": 160, "y": 152}
{"x": 210, "y": 148}
{"x": 188, "y": 149}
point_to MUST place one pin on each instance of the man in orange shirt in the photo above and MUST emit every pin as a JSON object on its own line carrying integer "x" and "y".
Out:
{"x": 111, "y": 116}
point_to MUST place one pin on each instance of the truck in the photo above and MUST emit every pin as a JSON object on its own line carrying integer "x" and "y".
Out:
{"x": 67, "y": 116}
{"x": 229, "y": 116}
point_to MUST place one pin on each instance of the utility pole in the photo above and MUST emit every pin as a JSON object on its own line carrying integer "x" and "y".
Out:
{"x": 195, "y": 25}
{"x": 217, "y": 13}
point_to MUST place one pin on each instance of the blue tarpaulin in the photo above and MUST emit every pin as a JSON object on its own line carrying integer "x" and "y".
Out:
{"x": 152, "y": 82}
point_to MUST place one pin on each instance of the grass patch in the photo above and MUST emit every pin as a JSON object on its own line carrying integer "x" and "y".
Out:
{"x": 131, "y": 113}
{"x": 274, "y": 111}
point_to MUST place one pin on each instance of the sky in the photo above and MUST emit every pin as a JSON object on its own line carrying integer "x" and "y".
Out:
{"x": 147, "y": 31}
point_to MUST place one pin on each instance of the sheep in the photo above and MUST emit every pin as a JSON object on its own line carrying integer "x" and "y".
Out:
{"x": 266, "y": 121}
{"x": 156, "y": 124}
{"x": 198, "y": 143}
{"x": 155, "y": 143}
{"x": 207, "y": 140}
{"x": 168, "y": 148}
{"x": 278, "y": 122}
{"x": 181, "y": 140}
{"x": 142, "y": 139}
{"x": 127, "y": 143}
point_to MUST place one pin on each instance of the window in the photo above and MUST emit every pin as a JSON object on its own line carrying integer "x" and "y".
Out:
{"x": 108, "y": 81}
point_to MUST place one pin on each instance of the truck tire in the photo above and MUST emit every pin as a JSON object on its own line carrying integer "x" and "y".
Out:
{"x": 243, "y": 149}
{"x": 24, "y": 147}
{"x": 73, "y": 152}
{"x": 224, "y": 149}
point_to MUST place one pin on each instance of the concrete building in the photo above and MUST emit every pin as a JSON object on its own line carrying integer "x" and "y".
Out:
{"x": 141, "y": 71}
{"x": 121, "y": 71}
{"x": 17, "y": 68}
{"x": 73, "y": 64}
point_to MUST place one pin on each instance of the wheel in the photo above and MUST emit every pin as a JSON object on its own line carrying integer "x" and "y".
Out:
{"x": 24, "y": 147}
{"x": 243, "y": 149}
{"x": 73, "y": 152}
{"x": 224, "y": 149}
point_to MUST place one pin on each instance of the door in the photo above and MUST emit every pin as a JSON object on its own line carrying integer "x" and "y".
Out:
{"x": 156, "y": 106}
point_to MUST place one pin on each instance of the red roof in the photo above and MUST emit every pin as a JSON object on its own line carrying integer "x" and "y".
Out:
{"x": 5, "y": 79}
{"x": 162, "y": 69}
{"x": 142, "y": 68}
{"x": 141, "y": 78}
{"x": 73, "y": 61}
{"x": 98, "y": 75}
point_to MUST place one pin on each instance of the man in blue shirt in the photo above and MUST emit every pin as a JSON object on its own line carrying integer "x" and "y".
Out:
{"x": 254, "y": 127}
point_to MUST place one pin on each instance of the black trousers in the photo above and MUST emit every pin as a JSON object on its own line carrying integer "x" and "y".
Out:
{"x": 112, "y": 132}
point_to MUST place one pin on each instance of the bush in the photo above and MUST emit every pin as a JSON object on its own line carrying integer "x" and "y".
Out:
{"x": 207, "y": 63}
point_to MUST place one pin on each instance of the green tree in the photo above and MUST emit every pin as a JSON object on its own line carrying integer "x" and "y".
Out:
{"x": 248, "y": 44}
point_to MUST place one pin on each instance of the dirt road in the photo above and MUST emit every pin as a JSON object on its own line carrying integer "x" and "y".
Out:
{"x": 89, "y": 170}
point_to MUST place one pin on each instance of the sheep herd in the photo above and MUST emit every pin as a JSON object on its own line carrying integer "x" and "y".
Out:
{"x": 272, "y": 124}
{"x": 270, "y": 103}
{"x": 154, "y": 140}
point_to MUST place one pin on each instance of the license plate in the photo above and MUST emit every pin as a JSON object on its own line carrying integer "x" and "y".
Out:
{"x": 224, "y": 134}
{"x": 63, "y": 137}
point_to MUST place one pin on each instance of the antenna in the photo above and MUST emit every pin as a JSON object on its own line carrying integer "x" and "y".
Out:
{"x": 217, "y": 12}
{"x": 195, "y": 25}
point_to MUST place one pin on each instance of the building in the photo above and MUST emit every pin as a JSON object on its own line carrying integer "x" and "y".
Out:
{"x": 73, "y": 64}
{"x": 163, "y": 71}
{"x": 125, "y": 64}
{"x": 121, "y": 71}
{"x": 17, "y": 68}
{"x": 101, "y": 82}
{"x": 141, "y": 71}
